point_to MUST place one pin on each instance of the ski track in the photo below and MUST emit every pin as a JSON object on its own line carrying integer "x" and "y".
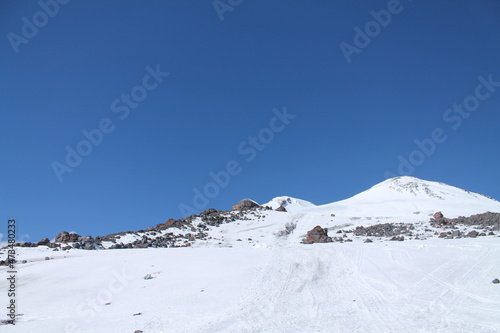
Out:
{"x": 322, "y": 289}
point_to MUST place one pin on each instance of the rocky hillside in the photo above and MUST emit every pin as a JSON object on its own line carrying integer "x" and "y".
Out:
{"x": 402, "y": 208}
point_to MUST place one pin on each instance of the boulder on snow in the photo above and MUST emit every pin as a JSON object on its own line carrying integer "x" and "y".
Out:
{"x": 281, "y": 209}
{"x": 247, "y": 204}
{"x": 438, "y": 215}
{"x": 495, "y": 281}
{"x": 317, "y": 235}
{"x": 473, "y": 234}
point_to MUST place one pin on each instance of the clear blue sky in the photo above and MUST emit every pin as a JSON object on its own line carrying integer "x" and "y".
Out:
{"x": 352, "y": 120}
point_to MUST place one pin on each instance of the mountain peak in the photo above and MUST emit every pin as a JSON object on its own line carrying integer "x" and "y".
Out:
{"x": 291, "y": 204}
{"x": 414, "y": 186}
{"x": 404, "y": 196}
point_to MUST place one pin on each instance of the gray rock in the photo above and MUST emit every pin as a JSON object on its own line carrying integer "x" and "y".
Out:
{"x": 473, "y": 234}
{"x": 44, "y": 241}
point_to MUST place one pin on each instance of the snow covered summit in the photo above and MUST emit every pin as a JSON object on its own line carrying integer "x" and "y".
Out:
{"x": 404, "y": 196}
{"x": 291, "y": 204}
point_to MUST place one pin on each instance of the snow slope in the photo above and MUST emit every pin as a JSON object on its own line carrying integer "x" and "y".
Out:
{"x": 396, "y": 200}
{"x": 417, "y": 286}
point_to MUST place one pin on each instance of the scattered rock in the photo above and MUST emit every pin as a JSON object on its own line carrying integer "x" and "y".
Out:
{"x": 368, "y": 240}
{"x": 488, "y": 220}
{"x": 289, "y": 228}
{"x": 148, "y": 277}
{"x": 384, "y": 230}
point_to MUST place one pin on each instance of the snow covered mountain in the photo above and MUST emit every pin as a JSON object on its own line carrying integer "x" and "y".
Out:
{"x": 404, "y": 196}
{"x": 247, "y": 270}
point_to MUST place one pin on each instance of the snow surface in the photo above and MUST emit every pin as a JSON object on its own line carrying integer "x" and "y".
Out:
{"x": 416, "y": 286}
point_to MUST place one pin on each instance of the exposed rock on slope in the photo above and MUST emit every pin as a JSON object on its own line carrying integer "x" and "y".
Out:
{"x": 317, "y": 235}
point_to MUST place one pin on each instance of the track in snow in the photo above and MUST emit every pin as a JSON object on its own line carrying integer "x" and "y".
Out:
{"x": 366, "y": 288}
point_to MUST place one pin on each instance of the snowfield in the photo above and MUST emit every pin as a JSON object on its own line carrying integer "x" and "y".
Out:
{"x": 254, "y": 275}
{"x": 415, "y": 286}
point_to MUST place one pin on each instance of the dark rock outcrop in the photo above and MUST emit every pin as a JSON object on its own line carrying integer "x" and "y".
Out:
{"x": 281, "y": 209}
{"x": 488, "y": 220}
{"x": 247, "y": 204}
{"x": 317, "y": 235}
{"x": 162, "y": 226}
{"x": 44, "y": 241}
{"x": 473, "y": 234}
{"x": 438, "y": 215}
{"x": 66, "y": 237}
